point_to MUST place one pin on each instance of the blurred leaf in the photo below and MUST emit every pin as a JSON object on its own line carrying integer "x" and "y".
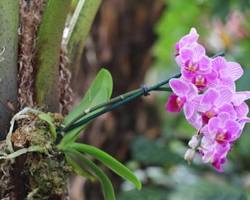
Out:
{"x": 243, "y": 82}
{"x": 174, "y": 23}
{"x": 107, "y": 187}
{"x": 244, "y": 142}
{"x": 150, "y": 152}
{"x": 221, "y": 8}
{"x": 109, "y": 161}
{"x": 99, "y": 92}
{"x": 77, "y": 167}
{"x": 205, "y": 190}
{"x": 240, "y": 51}
{"x": 244, "y": 4}
{"x": 147, "y": 193}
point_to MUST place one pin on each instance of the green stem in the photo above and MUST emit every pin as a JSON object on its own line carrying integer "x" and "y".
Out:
{"x": 115, "y": 103}
{"x": 48, "y": 53}
{"x": 102, "y": 105}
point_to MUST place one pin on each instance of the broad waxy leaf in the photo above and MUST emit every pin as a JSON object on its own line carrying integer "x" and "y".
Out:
{"x": 99, "y": 92}
{"x": 107, "y": 187}
{"x": 109, "y": 161}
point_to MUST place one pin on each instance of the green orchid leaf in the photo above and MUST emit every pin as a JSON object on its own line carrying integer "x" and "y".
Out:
{"x": 109, "y": 161}
{"x": 77, "y": 167}
{"x": 107, "y": 187}
{"x": 47, "y": 118}
{"x": 99, "y": 92}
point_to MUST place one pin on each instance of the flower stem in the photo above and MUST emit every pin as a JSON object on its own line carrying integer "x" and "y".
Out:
{"x": 115, "y": 103}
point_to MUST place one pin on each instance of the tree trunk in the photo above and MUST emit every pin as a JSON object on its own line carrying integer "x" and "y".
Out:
{"x": 9, "y": 23}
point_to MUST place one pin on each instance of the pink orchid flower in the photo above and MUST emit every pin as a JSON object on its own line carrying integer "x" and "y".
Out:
{"x": 183, "y": 96}
{"x": 207, "y": 93}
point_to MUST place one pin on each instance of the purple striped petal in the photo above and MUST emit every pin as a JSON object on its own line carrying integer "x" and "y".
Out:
{"x": 189, "y": 110}
{"x": 242, "y": 110}
{"x": 179, "y": 87}
{"x": 233, "y": 70}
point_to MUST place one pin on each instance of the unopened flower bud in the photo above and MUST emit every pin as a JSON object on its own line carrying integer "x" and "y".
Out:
{"x": 194, "y": 142}
{"x": 189, "y": 155}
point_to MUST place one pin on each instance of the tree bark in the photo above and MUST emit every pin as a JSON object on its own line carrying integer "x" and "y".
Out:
{"x": 9, "y": 22}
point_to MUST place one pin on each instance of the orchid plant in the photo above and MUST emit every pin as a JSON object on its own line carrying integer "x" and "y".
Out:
{"x": 205, "y": 90}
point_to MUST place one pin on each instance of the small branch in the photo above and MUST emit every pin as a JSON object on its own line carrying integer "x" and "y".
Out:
{"x": 115, "y": 103}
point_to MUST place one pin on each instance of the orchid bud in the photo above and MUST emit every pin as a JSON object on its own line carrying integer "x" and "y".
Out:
{"x": 194, "y": 142}
{"x": 189, "y": 155}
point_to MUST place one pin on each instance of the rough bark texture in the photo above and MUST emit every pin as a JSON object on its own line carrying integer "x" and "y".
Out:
{"x": 8, "y": 66}
{"x": 30, "y": 18}
{"x": 121, "y": 40}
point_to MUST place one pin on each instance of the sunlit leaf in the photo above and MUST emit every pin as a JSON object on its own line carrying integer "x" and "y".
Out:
{"x": 99, "y": 92}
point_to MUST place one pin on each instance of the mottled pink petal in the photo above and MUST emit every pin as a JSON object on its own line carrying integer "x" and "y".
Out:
{"x": 213, "y": 125}
{"x": 225, "y": 96}
{"x": 179, "y": 87}
{"x": 228, "y": 82}
{"x": 211, "y": 77}
{"x": 223, "y": 117}
{"x": 187, "y": 75}
{"x": 186, "y": 54}
{"x": 219, "y": 156}
{"x": 240, "y": 97}
{"x": 228, "y": 108}
{"x": 177, "y": 47}
{"x": 189, "y": 39}
{"x": 244, "y": 120}
{"x": 198, "y": 52}
{"x": 189, "y": 110}
{"x": 209, "y": 97}
{"x": 242, "y": 110}
{"x": 233, "y": 129}
{"x": 233, "y": 70}
{"x": 192, "y": 93}
{"x": 219, "y": 63}
{"x": 217, "y": 165}
{"x": 195, "y": 121}
{"x": 204, "y": 63}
